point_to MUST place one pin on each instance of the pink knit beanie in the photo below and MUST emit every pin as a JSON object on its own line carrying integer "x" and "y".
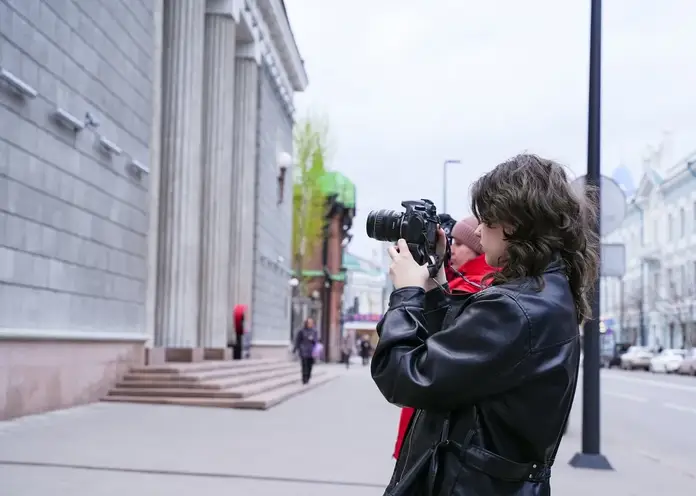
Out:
{"x": 463, "y": 233}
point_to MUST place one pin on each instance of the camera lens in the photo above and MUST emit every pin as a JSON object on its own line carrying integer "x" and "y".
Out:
{"x": 384, "y": 225}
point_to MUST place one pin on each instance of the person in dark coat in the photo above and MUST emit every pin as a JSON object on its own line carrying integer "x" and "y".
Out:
{"x": 305, "y": 341}
{"x": 365, "y": 350}
{"x": 492, "y": 375}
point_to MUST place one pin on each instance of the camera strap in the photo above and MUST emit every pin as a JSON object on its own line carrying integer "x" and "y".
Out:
{"x": 437, "y": 261}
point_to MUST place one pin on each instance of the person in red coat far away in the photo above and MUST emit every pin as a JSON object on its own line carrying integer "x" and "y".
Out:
{"x": 471, "y": 267}
{"x": 238, "y": 315}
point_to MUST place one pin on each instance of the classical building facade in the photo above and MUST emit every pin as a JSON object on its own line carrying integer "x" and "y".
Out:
{"x": 655, "y": 303}
{"x": 143, "y": 155}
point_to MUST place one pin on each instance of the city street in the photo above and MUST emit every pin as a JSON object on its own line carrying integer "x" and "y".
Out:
{"x": 334, "y": 440}
{"x": 654, "y": 414}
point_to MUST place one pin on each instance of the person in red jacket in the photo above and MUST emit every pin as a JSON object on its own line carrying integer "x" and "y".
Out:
{"x": 467, "y": 269}
{"x": 238, "y": 316}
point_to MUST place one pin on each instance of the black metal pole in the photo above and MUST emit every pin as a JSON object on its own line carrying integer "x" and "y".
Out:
{"x": 590, "y": 457}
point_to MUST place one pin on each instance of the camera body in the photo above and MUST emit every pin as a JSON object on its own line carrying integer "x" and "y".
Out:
{"x": 417, "y": 225}
{"x": 447, "y": 224}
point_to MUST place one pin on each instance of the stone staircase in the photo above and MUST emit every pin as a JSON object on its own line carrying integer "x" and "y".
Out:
{"x": 251, "y": 384}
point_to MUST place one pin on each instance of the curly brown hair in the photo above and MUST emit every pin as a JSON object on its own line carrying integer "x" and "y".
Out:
{"x": 543, "y": 218}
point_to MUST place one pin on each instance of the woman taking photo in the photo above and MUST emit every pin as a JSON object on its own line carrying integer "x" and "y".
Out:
{"x": 467, "y": 267}
{"x": 492, "y": 375}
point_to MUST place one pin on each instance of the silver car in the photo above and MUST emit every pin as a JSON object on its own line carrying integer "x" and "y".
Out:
{"x": 636, "y": 357}
{"x": 688, "y": 365}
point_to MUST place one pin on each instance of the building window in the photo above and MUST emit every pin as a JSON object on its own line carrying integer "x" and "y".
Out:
{"x": 670, "y": 283}
{"x": 670, "y": 227}
{"x": 693, "y": 221}
{"x": 682, "y": 223}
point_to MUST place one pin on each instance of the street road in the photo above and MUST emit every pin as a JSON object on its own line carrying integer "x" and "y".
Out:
{"x": 653, "y": 414}
{"x": 334, "y": 440}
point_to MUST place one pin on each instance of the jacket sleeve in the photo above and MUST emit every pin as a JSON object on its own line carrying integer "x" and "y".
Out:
{"x": 480, "y": 354}
{"x": 435, "y": 305}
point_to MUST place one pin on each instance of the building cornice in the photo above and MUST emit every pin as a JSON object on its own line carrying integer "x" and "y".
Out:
{"x": 279, "y": 24}
{"x": 270, "y": 53}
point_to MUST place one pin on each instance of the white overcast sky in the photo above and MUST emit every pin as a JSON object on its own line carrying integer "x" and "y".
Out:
{"x": 407, "y": 84}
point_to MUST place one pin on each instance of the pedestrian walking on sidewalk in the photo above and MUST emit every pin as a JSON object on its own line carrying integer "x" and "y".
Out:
{"x": 305, "y": 342}
{"x": 365, "y": 351}
{"x": 492, "y": 375}
{"x": 346, "y": 350}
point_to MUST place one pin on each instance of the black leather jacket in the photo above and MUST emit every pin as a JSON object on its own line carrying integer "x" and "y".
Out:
{"x": 492, "y": 376}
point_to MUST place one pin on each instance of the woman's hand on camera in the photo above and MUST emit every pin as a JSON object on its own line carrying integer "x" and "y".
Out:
{"x": 441, "y": 245}
{"x": 404, "y": 270}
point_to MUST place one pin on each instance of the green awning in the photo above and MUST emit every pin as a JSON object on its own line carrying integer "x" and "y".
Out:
{"x": 335, "y": 183}
{"x": 320, "y": 273}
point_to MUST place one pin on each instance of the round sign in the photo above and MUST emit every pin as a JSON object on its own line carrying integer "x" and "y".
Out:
{"x": 612, "y": 207}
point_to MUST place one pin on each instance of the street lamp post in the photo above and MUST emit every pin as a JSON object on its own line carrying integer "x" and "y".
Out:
{"x": 444, "y": 182}
{"x": 590, "y": 456}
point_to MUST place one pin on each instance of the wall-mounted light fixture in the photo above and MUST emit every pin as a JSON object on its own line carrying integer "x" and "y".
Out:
{"x": 68, "y": 120}
{"x": 138, "y": 169}
{"x": 91, "y": 121}
{"x": 284, "y": 162}
{"x": 17, "y": 85}
{"x": 109, "y": 146}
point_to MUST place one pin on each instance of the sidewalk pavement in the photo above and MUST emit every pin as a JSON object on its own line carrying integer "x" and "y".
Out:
{"x": 334, "y": 440}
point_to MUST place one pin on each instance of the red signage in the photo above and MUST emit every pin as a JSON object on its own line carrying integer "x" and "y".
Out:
{"x": 364, "y": 317}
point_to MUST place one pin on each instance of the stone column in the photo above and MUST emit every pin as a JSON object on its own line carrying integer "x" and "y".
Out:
{"x": 180, "y": 191}
{"x": 154, "y": 180}
{"x": 244, "y": 174}
{"x": 218, "y": 128}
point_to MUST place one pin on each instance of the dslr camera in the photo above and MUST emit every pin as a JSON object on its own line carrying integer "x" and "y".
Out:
{"x": 447, "y": 224}
{"x": 417, "y": 225}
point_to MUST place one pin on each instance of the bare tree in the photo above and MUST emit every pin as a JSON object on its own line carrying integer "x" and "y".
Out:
{"x": 632, "y": 306}
{"x": 678, "y": 305}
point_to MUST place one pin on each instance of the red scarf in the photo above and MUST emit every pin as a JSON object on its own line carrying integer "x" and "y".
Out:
{"x": 473, "y": 271}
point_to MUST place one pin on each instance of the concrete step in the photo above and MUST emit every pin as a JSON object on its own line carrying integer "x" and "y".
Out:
{"x": 239, "y": 391}
{"x": 190, "y": 379}
{"x": 208, "y": 365}
{"x": 261, "y": 401}
{"x": 269, "y": 399}
{"x": 234, "y": 379}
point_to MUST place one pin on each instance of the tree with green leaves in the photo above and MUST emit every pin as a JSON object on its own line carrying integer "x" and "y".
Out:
{"x": 308, "y": 198}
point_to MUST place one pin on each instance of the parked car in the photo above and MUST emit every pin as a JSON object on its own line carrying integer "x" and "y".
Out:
{"x": 668, "y": 361}
{"x": 612, "y": 358}
{"x": 636, "y": 357}
{"x": 688, "y": 365}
